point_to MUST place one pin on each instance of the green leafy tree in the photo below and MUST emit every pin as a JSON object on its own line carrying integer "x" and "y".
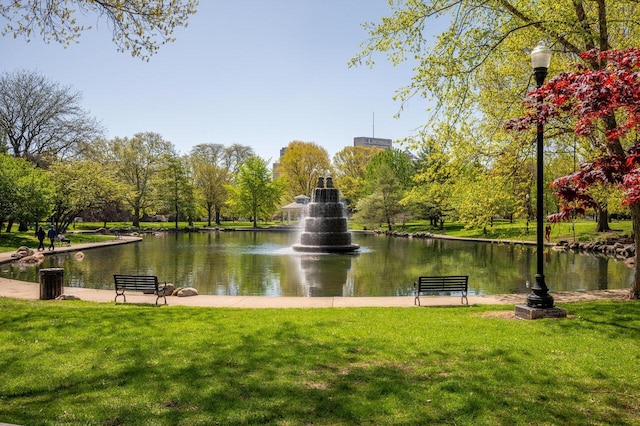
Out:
{"x": 475, "y": 70}
{"x": 476, "y": 64}
{"x": 25, "y": 191}
{"x": 431, "y": 194}
{"x": 350, "y": 166}
{"x": 214, "y": 167}
{"x": 301, "y": 165}
{"x": 394, "y": 160}
{"x": 382, "y": 205}
{"x": 495, "y": 201}
{"x": 603, "y": 104}
{"x": 388, "y": 177}
{"x": 78, "y": 189}
{"x": 138, "y": 26}
{"x": 255, "y": 193}
{"x": 174, "y": 191}
{"x": 210, "y": 178}
{"x": 136, "y": 162}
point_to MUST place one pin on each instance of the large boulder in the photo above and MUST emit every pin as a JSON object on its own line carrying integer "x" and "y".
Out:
{"x": 187, "y": 292}
{"x": 34, "y": 259}
{"x": 23, "y": 251}
{"x": 169, "y": 289}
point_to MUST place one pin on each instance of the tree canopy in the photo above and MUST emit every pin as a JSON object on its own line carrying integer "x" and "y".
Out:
{"x": 137, "y": 162}
{"x": 25, "y": 191}
{"x": 40, "y": 120}
{"x": 255, "y": 193}
{"x": 350, "y": 171}
{"x": 604, "y": 105}
{"x": 302, "y": 164}
{"x": 476, "y": 72}
{"x": 477, "y": 69}
{"x": 79, "y": 190}
{"x": 174, "y": 190}
{"x": 214, "y": 167}
{"x": 138, "y": 26}
{"x": 477, "y": 63}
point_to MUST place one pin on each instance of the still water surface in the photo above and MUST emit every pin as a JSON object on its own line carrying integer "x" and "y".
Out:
{"x": 263, "y": 264}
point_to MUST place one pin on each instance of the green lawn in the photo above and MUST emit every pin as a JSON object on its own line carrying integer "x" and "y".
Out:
{"x": 10, "y": 241}
{"x": 580, "y": 230}
{"x": 88, "y": 363}
{"x": 90, "y": 226}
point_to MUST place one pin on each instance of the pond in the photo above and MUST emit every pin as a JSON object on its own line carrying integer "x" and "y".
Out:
{"x": 263, "y": 264}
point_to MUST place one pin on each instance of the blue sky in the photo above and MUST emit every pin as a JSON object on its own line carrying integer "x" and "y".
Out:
{"x": 256, "y": 72}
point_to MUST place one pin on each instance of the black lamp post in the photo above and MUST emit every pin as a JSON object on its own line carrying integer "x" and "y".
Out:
{"x": 539, "y": 296}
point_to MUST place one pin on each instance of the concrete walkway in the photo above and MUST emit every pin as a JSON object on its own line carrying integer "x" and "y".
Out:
{"x": 31, "y": 291}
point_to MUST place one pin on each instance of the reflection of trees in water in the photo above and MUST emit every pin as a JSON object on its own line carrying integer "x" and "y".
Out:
{"x": 587, "y": 271}
{"x": 492, "y": 268}
{"x": 251, "y": 263}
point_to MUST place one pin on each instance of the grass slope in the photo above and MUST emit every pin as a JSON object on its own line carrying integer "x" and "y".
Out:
{"x": 86, "y": 363}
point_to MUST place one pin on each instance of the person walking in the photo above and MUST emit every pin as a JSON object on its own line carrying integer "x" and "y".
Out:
{"x": 547, "y": 233}
{"x": 52, "y": 237}
{"x": 40, "y": 234}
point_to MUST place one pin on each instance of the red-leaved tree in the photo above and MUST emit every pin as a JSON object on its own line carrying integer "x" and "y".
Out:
{"x": 604, "y": 101}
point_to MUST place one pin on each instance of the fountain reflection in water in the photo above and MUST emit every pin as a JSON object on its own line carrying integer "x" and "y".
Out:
{"x": 325, "y": 275}
{"x": 325, "y": 225}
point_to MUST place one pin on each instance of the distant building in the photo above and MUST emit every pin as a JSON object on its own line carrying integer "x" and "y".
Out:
{"x": 373, "y": 142}
{"x": 296, "y": 208}
{"x": 411, "y": 155}
{"x": 276, "y": 165}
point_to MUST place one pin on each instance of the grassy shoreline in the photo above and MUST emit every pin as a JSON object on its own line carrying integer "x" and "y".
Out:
{"x": 88, "y": 363}
{"x": 581, "y": 231}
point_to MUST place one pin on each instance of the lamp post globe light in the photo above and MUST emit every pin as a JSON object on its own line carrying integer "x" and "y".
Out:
{"x": 539, "y": 296}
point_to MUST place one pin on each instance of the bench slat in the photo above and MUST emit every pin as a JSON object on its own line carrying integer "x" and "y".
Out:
{"x": 441, "y": 284}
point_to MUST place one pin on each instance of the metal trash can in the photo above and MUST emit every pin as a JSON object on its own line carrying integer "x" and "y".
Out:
{"x": 51, "y": 283}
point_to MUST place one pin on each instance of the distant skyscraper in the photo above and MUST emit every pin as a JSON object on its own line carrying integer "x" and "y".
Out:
{"x": 276, "y": 173}
{"x": 373, "y": 142}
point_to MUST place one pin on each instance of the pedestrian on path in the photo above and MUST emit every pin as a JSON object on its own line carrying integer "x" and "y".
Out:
{"x": 52, "y": 237}
{"x": 40, "y": 234}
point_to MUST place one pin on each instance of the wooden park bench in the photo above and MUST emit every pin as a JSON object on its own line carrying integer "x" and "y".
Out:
{"x": 144, "y": 283}
{"x": 441, "y": 285}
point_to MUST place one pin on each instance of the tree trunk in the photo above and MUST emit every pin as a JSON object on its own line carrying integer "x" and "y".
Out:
{"x": 217, "y": 216}
{"x": 634, "y": 291}
{"x": 209, "y": 214}
{"x": 9, "y": 225}
{"x": 136, "y": 217}
{"x": 23, "y": 226}
{"x": 603, "y": 220}
{"x": 177, "y": 210}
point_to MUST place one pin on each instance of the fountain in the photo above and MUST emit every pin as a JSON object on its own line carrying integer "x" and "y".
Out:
{"x": 325, "y": 225}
